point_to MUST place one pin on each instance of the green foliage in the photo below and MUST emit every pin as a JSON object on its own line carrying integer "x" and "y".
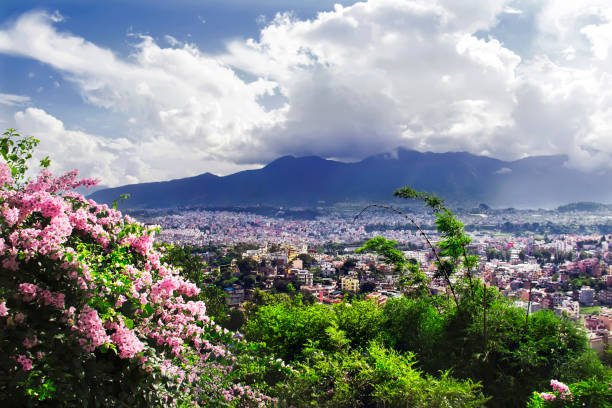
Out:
{"x": 387, "y": 250}
{"x": 287, "y": 328}
{"x": 591, "y": 393}
{"x": 122, "y": 198}
{"x": 16, "y": 150}
{"x": 247, "y": 265}
{"x": 307, "y": 260}
{"x": 431, "y": 200}
{"x": 414, "y": 325}
{"x": 367, "y": 287}
{"x": 216, "y": 303}
{"x": 235, "y": 320}
{"x": 516, "y": 358}
{"x": 183, "y": 257}
{"x": 411, "y": 278}
{"x": 375, "y": 377}
{"x": 359, "y": 320}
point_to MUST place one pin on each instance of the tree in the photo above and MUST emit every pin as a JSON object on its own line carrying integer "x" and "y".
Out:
{"x": 475, "y": 331}
{"x": 376, "y": 377}
{"x": 247, "y": 265}
{"x": 307, "y": 260}
{"x": 273, "y": 248}
{"x": 182, "y": 257}
{"x": 348, "y": 265}
{"x": 367, "y": 287}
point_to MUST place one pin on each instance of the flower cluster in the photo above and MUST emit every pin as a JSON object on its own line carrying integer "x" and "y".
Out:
{"x": 81, "y": 273}
{"x": 547, "y": 396}
{"x": 561, "y": 388}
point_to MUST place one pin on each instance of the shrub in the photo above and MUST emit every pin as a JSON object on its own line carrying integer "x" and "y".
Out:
{"x": 89, "y": 315}
{"x": 591, "y": 393}
{"x": 374, "y": 377}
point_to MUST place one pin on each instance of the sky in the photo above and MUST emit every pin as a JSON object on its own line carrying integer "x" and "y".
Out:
{"x": 151, "y": 90}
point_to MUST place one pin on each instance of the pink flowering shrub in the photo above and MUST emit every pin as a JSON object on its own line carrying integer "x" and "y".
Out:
{"x": 89, "y": 315}
{"x": 593, "y": 393}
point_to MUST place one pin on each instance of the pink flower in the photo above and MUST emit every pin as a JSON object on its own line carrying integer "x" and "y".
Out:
{"x": 26, "y": 363}
{"x": 10, "y": 263}
{"x": 547, "y": 397}
{"x": 28, "y": 291}
{"x": 5, "y": 175}
{"x": 91, "y": 327}
{"x": 11, "y": 216}
{"x": 560, "y": 388}
{"x": 3, "y": 309}
{"x": 27, "y": 343}
{"x": 127, "y": 342}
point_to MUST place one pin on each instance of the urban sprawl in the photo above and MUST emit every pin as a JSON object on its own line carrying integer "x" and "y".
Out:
{"x": 541, "y": 259}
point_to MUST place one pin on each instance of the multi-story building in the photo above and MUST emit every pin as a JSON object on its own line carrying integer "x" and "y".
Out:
{"x": 349, "y": 284}
{"x": 605, "y": 297}
{"x": 586, "y": 296}
{"x": 304, "y": 277}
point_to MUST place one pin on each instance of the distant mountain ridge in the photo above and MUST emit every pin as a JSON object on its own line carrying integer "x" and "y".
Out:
{"x": 463, "y": 178}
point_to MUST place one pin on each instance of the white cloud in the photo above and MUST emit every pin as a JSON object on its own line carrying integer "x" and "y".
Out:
{"x": 172, "y": 41}
{"x": 512, "y": 10}
{"x": 376, "y": 75}
{"x": 13, "y": 100}
{"x": 350, "y": 82}
{"x": 68, "y": 149}
{"x": 187, "y": 111}
{"x": 114, "y": 161}
{"x": 504, "y": 170}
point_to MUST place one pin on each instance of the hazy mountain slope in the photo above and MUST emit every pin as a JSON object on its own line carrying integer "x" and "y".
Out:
{"x": 459, "y": 177}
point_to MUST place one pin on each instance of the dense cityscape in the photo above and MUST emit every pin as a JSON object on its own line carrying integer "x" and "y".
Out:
{"x": 570, "y": 274}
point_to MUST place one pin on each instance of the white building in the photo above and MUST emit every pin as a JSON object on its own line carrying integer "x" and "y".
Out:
{"x": 304, "y": 277}
{"x": 420, "y": 256}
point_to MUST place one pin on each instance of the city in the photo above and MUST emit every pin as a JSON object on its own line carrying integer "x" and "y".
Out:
{"x": 569, "y": 274}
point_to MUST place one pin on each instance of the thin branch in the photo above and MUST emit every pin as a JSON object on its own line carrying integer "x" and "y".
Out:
{"x": 418, "y": 227}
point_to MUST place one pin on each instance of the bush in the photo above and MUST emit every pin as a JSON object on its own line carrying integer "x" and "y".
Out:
{"x": 89, "y": 316}
{"x": 591, "y": 393}
{"x": 375, "y": 377}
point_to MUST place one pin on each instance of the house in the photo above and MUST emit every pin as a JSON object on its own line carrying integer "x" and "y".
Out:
{"x": 236, "y": 295}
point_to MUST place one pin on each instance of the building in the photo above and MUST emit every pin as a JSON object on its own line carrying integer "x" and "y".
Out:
{"x": 377, "y": 297}
{"x": 420, "y": 256}
{"x": 349, "y": 284}
{"x": 586, "y": 296}
{"x": 605, "y": 297}
{"x": 304, "y": 277}
{"x": 236, "y": 295}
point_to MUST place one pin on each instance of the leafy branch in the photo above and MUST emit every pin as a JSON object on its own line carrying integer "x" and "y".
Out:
{"x": 16, "y": 150}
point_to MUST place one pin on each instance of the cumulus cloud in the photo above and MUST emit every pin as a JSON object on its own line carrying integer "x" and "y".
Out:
{"x": 348, "y": 83}
{"x": 69, "y": 149}
{"x": 387, "y": 73}
{"x": 184, "y": 107}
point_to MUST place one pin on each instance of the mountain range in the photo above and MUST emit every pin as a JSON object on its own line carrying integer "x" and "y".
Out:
{"x": 461, "y": 178}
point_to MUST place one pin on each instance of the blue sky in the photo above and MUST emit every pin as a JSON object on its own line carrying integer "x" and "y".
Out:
{"x": 151, "y": 90}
